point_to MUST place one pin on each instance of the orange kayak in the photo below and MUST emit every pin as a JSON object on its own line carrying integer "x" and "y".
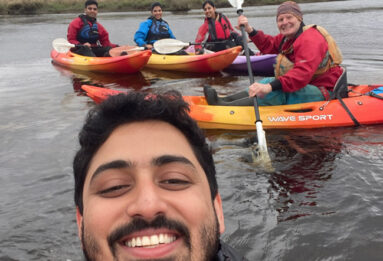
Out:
{"x": 366, "y": 109}
{"x": 120, "y": 64}
{"x": 204, "y": 63}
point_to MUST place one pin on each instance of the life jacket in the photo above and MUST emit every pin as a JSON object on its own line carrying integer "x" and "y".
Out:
{"x": 158, "y": 30}
{"x": 221, "y": 37}
{"x": 332, "y": 58}
{"x": 87, "y": 33}
{"x": 218, "y": 33}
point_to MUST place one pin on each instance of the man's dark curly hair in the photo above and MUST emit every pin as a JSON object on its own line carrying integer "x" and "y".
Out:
{"x": 120, "y": 109}
{"x": 91, "y": 2}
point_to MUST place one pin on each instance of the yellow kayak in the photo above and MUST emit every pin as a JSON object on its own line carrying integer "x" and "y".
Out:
{"x": 204, "y": 63}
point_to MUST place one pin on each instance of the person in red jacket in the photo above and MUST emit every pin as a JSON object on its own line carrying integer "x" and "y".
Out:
{"x": 221, "y": 34}
{"x": 90, "y": 36}
{"x": 307, "y": 67}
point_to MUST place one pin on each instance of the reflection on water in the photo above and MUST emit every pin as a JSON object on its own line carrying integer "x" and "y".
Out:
{"x": 311, "y": 163}
{"x": 135, "y": 81}
{"x": 326, "y": 182}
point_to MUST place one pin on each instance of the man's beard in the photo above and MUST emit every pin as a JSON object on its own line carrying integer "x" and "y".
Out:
{"x": 208, "y": 237}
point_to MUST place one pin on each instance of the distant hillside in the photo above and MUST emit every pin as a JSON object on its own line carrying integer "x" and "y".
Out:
{"x": 22, "y": 7}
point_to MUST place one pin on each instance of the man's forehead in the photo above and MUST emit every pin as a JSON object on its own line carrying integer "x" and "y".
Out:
{"x": 142, "y": 142}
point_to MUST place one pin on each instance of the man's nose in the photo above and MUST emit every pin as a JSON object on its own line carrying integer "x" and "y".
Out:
{"x": 147, "y": 201}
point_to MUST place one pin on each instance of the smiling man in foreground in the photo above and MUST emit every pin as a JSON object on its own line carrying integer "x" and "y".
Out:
{"x": 145, "y": 185}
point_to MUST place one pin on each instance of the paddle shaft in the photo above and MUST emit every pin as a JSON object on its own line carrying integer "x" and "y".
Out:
{"x": 204, "y": 43}
{"x": 262, "y": 145}
{"x": 69, "y": 45}
{"x": 249, "y": 69}
{"x": 166, "y": 46}
{"x": 182, "y": 44}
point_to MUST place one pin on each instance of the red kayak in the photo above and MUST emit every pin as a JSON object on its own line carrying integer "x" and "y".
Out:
{"x": 130, "y": 63}
{"x": 363, "y": 103}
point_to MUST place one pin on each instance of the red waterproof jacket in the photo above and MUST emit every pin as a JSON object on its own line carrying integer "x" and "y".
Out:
{"x": 76, "y": 25}
{"x": 309, "y": 49}
{"x": 221, "y": 26}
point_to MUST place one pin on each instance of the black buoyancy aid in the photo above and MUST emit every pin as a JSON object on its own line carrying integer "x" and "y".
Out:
{"x": 158, "y": 30}
{"x": 87, "y": 33}
{"x": 224, "y": 28}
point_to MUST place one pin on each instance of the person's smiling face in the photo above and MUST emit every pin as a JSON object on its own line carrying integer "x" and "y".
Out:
{"x": 91, "y": 11}
{"x": 209, "y": 11}
{"x": 147, "y": 197}
{"x": 157, "y": 12}
{"x": 288, "y": 25}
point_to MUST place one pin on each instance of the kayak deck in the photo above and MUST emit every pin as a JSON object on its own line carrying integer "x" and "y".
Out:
{"x": 131, "y": 63}
{"x": 366, "y": 109}
{"x": 262, "y": 65}
{"x": 204, "y": 63}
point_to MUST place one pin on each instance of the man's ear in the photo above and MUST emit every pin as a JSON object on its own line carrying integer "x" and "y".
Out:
{"x": 219, "y": 212}
{"x": 79, "y": 223}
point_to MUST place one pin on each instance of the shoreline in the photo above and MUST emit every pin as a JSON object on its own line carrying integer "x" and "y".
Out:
{"x": 33, "y": 7}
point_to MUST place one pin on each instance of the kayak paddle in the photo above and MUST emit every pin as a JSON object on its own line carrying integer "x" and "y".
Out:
{"x": 116, "y": 51}
{"x": 170, "y": 45}
{"x": 61, "y": 45}
{"x": 262, "y": 145}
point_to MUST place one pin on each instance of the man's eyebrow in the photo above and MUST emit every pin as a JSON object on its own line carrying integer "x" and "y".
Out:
{"x": 159, "y": 161}
{"x": 116, "y": 164}
{"x": 165, "y": 159}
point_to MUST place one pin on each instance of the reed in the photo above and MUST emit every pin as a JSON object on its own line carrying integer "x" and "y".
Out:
{"x": 20, "y": 7}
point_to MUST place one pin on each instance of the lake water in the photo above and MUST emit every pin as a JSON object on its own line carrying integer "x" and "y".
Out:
{"x": 323, "y": 202}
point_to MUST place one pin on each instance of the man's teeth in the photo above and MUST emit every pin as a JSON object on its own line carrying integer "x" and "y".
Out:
{"x": 149, "y": 241}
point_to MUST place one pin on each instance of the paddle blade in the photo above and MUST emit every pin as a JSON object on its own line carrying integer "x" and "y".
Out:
{"x": 261, "y": 138}
{"x": 261, "y": 150}
{"x": 124, "y": 50}
{"x": 169, "y": 45}
{"x": 236, "y": 3}
{"x": 61, "y": 45}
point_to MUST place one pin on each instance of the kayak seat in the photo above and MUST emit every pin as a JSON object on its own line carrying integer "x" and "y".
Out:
{"x": 341, "y": 86}
{"x": 341, "y": 91}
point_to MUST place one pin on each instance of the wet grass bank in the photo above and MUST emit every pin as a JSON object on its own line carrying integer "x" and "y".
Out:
{"x": 25, "y": 7}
